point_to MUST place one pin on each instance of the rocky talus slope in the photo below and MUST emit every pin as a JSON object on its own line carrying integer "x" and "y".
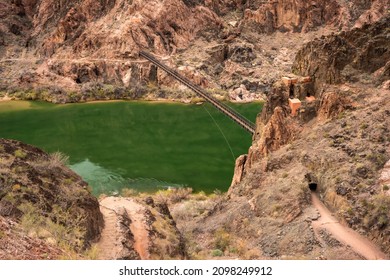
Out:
{"x": 44, "y": 202}
{"x": 17, "y": 245}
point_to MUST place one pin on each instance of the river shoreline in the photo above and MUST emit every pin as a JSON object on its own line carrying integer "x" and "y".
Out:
{"x": 150, "y": 97}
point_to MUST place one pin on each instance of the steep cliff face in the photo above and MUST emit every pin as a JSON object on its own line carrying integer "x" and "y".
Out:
{"x": 56, "y": 47}
{"x": 348, "y": 56}
{"x": 274, "y": 126}
{"x": 116, "y": 28}
{"x": 110, "y": 28}
{"x": 292, "y": 15}
{"x": 93, "y": 41}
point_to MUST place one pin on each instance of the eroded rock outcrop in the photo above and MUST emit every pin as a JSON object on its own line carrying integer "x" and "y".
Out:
{"x": 291, "y": 15}
{"x": 345, "y": 56}
{"x": 277, "y": 132}
{"x": 238, "y": 171}
{"x": 162, "y": 26}
{"x": 332, "y": 104}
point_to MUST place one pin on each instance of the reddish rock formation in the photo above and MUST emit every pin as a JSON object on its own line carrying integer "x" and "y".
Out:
{"x": 108, "y": 29}
{"x": 337, "y": 58}
{"x": 277, "y": 98}
{"x": 292, "y": 15}
{"x": 332, "y": 104}
{"x": 277, "y": 132}
{"x": 238, "y": 171}
{"x": 93, "y": 41}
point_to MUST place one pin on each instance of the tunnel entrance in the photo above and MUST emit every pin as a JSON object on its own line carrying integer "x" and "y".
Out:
{"x": 313, "y": 186}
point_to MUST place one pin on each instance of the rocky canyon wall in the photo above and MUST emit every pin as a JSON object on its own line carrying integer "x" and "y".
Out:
{"x": 347, "y": 56}
{"x": 359, "y": 55}
{"x": 72, "y": 43}
{"x": 303, "y": 16}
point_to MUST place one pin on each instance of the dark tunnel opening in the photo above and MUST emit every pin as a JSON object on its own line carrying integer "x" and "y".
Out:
{"x": 313, "y": 186}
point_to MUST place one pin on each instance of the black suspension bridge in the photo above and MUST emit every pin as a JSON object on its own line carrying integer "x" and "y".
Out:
{"x": 232, "y": 114}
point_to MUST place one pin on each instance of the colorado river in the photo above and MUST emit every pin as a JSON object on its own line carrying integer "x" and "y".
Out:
{"x": 142, "y": 145}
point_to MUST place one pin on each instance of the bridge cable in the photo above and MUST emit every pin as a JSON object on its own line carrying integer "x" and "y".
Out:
{"x": 220, "y": 129}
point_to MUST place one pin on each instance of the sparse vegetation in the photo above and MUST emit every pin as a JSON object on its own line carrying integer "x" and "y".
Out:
{"x": 50, "y": 203}
{"x": 59, "y": 226}
{"x": 129, "y": 192}
{"x": 336, "y": 201}
{"x": 173, "y": 195}
{"x": 167, "y": 241}
{"x": 378, "y": 159}
{"x": 221, "y": 240}
{"x": 217, "y": 253}
{"x": 219, "y": 93}
{"x": 378, "y": 212}
{"x": 196, "y": 100}
{"x": 56, "y": 160}
{"x": 92, "y": 253}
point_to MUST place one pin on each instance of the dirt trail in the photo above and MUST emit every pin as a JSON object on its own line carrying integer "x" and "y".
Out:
{"x": 109, "y": 245}
{"x": 345, "y": 235}
{"x": 80, "y": 60}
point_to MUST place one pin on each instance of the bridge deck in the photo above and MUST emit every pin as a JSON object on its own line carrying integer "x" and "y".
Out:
{"x": 235, "y": 116}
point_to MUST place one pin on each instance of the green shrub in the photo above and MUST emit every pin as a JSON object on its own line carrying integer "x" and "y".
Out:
{"x": 217, "y": 253}
{"x": 222, "y": 239}
{"x": 378, "y": 159}
{"x": 20, "y": 154}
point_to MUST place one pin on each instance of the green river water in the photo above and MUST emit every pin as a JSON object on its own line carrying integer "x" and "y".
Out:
{"x": 141, "y": 145}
